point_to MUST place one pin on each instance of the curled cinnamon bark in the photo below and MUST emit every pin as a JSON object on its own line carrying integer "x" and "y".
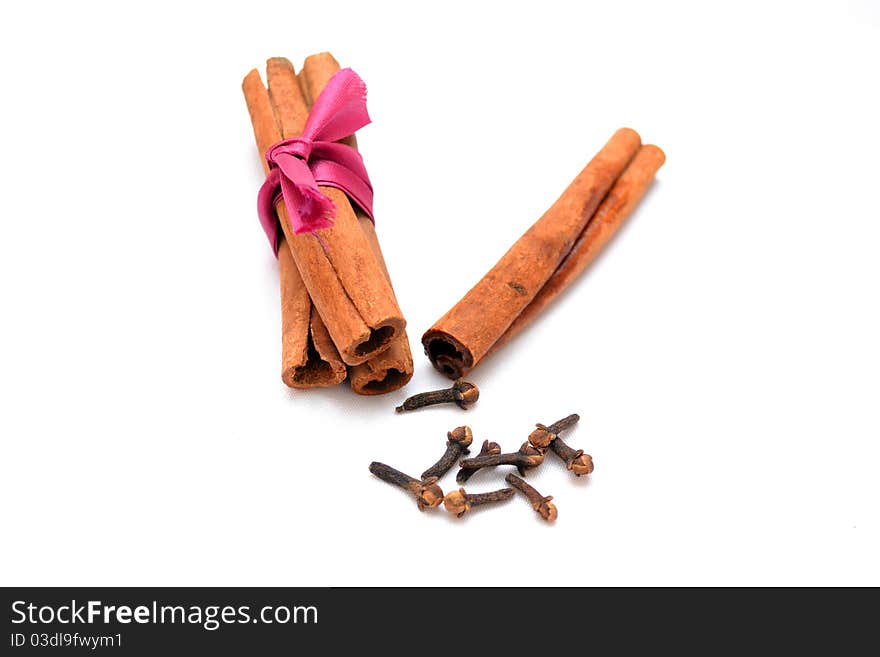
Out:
{"x": 309, "y": 358}
{"x": 612, "y": 213}
{"x": 340, "y": 271}
{"x": 393, "y": 368}
{"x": 465, "y": 334}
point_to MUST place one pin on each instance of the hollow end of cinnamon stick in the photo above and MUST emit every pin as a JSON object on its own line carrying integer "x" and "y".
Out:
{"x": 448, "y": 354}
{"x": 388, "y": 380}
{"x": 385, "y": 373}
{"x": 315, "y": 373}
{"x": 320, "y": 366}
{"x": 377, "y": 340}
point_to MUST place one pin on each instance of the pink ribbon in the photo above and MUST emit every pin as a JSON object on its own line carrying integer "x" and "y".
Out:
{"x": 299, "y": 165}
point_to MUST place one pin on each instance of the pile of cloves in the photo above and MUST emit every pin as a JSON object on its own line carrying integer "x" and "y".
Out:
{"x": 530, "y": 455}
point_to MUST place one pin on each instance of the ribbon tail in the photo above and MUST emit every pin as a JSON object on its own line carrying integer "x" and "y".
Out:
{"x": 309, "y": 209}
{"x": 340, "y": 109}
{"x": 266, "y": 208}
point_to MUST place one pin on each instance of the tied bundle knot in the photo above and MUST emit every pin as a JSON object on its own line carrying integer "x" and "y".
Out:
{"x": 299, "y": 166}
{"x": 300, "y": 147}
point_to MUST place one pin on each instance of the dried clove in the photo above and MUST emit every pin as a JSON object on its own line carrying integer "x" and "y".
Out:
{"x": 526, "y": 458}
{"x": 459, "y": 439}
{"x": 575, "y": 459}
{"x": 426, "y": 491}
{"x": 543, "y": 505}
{"x": 460, "y": 501}
{"x": 543, "y": 436}
{"x": 462, "y": 392}
{"x": 488, "y": 448}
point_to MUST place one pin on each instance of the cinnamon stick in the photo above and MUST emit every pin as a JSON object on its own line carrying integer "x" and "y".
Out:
{"x": 612, "y": 213}
{"x": 465, "y": 334}
{"x": 309, "y": 358}
{"x": 393, "y": 368}
{"x": 337, "y": 264}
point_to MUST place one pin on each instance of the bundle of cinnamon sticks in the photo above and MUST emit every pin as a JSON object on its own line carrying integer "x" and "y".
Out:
{"x": 547, "y": 258}
{"x": 339, "y": 314}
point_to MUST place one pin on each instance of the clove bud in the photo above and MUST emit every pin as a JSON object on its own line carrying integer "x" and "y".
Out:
{"x": 427, "y": 492}
{"x": 460, "y": 501}
{"x": 543, "y": 505}
{"x": 463, "y": 393}
{"x": 458, "y": 441}
{"x": 543, "y": 436}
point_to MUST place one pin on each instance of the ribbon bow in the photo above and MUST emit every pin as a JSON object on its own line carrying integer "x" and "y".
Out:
{"x": 300, "y": 164}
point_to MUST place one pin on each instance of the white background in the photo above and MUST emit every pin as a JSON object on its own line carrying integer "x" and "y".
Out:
{"x": 723, "y": 353}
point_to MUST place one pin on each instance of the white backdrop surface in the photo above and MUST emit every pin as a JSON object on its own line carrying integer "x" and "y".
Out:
{"x": 722, "y": 354}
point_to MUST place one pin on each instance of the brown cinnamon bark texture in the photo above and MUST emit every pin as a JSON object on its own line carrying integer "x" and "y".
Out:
{"x": 340, "y": 271}
{"x": 614, "y": 210}
{"x": 309, "y": 358}
{"x": 393, "y": 368}
{"x": 465, "y": 334}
